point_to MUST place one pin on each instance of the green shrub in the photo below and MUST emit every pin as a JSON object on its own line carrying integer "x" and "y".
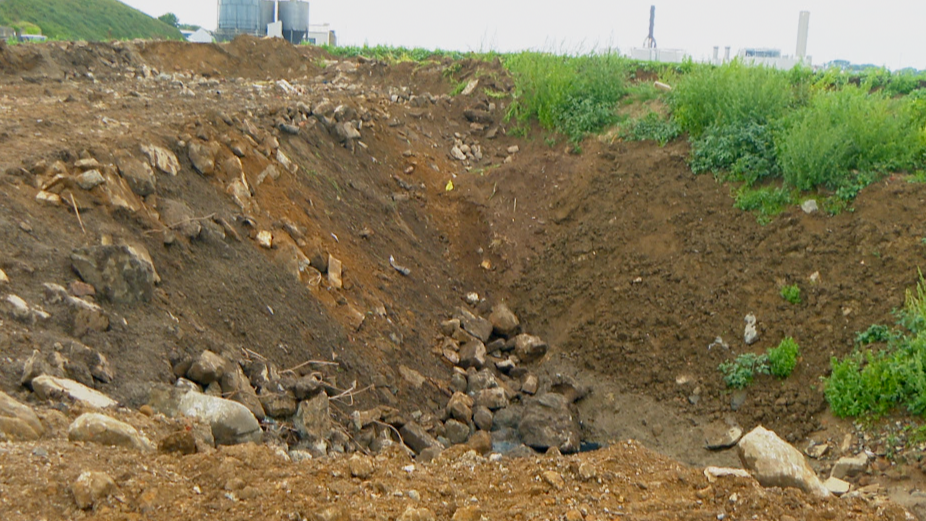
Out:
{"x": 736, "y": 152}
{"x": 791, "y": 293}
{"x": 846, "y": 131}
{"x": 783, "y": 359}
{"x": 874, "y": 334}
{"x": 766, "y": 202}
{"x": 740, "y": 372}
{"x": 651, "y": 127}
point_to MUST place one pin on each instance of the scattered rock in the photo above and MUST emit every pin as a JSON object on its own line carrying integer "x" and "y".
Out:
{"x": 493, "y": 399}
{"x": 265, "y": 239}
{"x": 90, "y": 179}
{"x": 237, "y": 387}
{"x": 312, "y": 420}
{"x": 457, "y": 154}
{"x": 504, "y": 322}
{"x": 775, "y": 463}
{"x": 470, "y": 87}
{"x": 53, "y": 388}
{"x": 202, "y": 157}
{"x": 208, "y": 367}
{"x": 530, "y": 384}
{"x": 162, "y": 159}
{"x": 751, "y": 334}
{"x": 472, "y": 354}
{"x": 529, "y": 348}
{"x": 468, "y": 513}
{"x": 103, "y": 430}
{"x": 809, "y": 206}
{"x": 473, "y": 324}
{"x": 3, "y": 278}
{"x": 182, "y": 441}
{"x": 411, "y": 376}
{"x": 417, "y": 514}
{"x": 345, "y": 131}
{"x": 837, "y": 486}
{"x": 850, "y": 466}
{"x": 713, "y": 473}
{"x": 231, "y": 423}
{"x": 280, "y": 404}
{"x": 460, "y": 407}
{"x": 91, "y": 488}
{"x": 360, "y": 466}
{"x": 483, "y": 418}
{"x": 725, "y": 439}
{"x": 334, "y": 272}
{"x": 554, "y": 479}
{"x": 178, "y": 216}
{"x": 457, "y": 432}
{"x": 514, "y": 149}
{"x": 548, "y": 422}
{"x": 417, "y": 438}
{"x": 18, "y": 422}
{"x": 481, "y": 442}
{"x": 137, "y": 174}
{"x": 123, "y": 274}
{"x": 20, "y": 310}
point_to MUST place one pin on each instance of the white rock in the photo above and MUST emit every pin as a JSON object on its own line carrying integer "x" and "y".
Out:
{"x": 18, "y": 421}
{"x": 714, "y": 473}
{"x": 101, "y": 429}
{"x": 265, "y": 239}
{"x": 850, "y": 466}
{"x": 231, "y": 422}
{"x": 90, "y": 179}
{"x": 92, "y": 487}
{"x": 470, "y": 87}
{"x": 162, "y": 159}
{"x": 837, "y": 486}
{"x": 514, "y": 149}
{"x": 809, "y": 206}
{"x": 775, "y": 463}
{"x": 48, "y": 198}
{"x": 51, "y": 388}
{"x": 457, "y": 154}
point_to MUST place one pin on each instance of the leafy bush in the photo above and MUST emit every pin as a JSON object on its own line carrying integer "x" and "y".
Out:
{"x": 875, "y": 333}
{"x": 739, "y": 373}
{"x": 791, "y": 293}
{"x": 846, "y": 131}
{"x": 651, "y": 127}
{"x": 743, "y": 151}
{"x": 875, "y": 382}
{"x": 783, "y": 359}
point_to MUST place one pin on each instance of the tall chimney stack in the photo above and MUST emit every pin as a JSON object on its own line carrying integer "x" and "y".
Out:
{"x": 802, "y": 26}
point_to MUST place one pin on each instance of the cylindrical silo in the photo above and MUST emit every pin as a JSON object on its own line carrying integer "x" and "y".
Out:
{"x": 295, "y": 17}
{"x": 238, "y": 17}
{"x": 267, "y": 14}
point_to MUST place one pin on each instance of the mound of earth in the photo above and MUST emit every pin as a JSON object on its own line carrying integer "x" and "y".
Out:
{"x": 348, "y": 262}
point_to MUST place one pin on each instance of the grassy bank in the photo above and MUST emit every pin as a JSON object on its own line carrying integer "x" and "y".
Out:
{"x": 91, "y": 20}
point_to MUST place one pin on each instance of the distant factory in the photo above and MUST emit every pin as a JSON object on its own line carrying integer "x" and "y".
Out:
{"x": 287, "y": 19}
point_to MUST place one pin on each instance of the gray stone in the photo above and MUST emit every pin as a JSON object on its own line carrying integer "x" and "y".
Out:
{"x": 479, "y": 380}
{"x": 504, "y": 322}
{"x": 775, "y": 463}
{"x": 137, "y": 174}
{"x": 237, "y": 387}
{"x": 738, "y": 398}
{"x": 178, "y": 216}
{"x": 458, "y": 383}
{"x": 20, "y": 310}
{"x": 492, "y": 399}
{"x": 313, "y": 420}
{"x": 460, "y": 407}
{"x": 34, "y": 366}
{"x": 473, "y": 354}
{"x": 53, "y": 388}
{"x": 483, "y": 418}
{"x": 208, "y": 367}
{"x": 345, "y": 131}
{"x": 530, "y": 384}
{"x": 457, "y": 432}
{"x": 417, "y": 438}
{"x": 90, "y": 179}
{"x": 288, "y": 128}
{"x": 202, "y": 157}
{"x": 231, "y": 422}
{"x": 751, "y": 335}
{"x": 508, "y": 418}
{"x": 280, "y": 404}
{"x": 91, "y": 488}
{"x": 103, "y": 430}
{"x": 473, "y": 324}
{"x": 850, "y": 466}
{"x": 18, "y": 422}
{"x": 809, "y": 206}
{"x": 548, "y": 422}
{"x": 162, "y": 159}
{"x": 122, "y": 274}
{"x": 529, "y": 348}
{"x": 457, "y": 154}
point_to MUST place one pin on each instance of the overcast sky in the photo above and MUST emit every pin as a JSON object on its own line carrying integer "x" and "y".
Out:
{"x": 885, "y": 32}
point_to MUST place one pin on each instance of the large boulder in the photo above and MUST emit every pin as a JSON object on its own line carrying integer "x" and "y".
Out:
{"x": 18, "y": 421}
{"x": 231, "y": 422}
{"x": 103, "y": 430}
{"x": 53, "y": 388}
{"x": 504, "y": 322}
{"x": 775, "y": 463}
{"x": 548, "y": 421}
{"x": 121, "y": 273}
{"x": 473, "y": 324}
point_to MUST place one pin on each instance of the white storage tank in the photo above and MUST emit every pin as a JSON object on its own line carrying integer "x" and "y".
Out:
{"x": 295, "y": 17}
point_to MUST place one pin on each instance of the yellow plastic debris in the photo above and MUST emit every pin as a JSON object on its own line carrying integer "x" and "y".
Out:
{"x": 449, "y": 187}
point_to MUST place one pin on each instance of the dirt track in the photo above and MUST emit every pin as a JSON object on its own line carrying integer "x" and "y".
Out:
{"x": 624, "y": 261}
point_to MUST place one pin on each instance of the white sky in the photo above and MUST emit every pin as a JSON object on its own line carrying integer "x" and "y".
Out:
{"x": 885, "y": 32}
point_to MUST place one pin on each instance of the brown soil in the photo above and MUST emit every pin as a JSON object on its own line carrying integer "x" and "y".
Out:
{"x": 624, "y": 261}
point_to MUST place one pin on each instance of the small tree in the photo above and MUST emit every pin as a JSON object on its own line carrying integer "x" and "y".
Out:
{"x": 170, "y": 19}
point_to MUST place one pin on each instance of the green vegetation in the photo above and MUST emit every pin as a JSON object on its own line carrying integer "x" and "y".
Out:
{"x": 92, "y": 20}
{"x": 739, "y": 373}
{"x": 875, "y": 382}
{"x": 170, "y": 19}
{"x": 393, "y": 54}
{"x": 651, "y": 127}
{"x": 574, "y": 95}
{"x": 766, "y": 201}
{"x": 791, "y": 293}
{"x": 783, "y": 359}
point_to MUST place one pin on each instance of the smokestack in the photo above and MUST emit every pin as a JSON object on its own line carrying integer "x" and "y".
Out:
{"x": 716, "y": 54}
{"x": 726, "y": 54}
{"x": 650, "y": 41}
{"x": 802, "y": 26}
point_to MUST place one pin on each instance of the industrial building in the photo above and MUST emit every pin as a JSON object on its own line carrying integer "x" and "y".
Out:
{"x": 288, "y": 19}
